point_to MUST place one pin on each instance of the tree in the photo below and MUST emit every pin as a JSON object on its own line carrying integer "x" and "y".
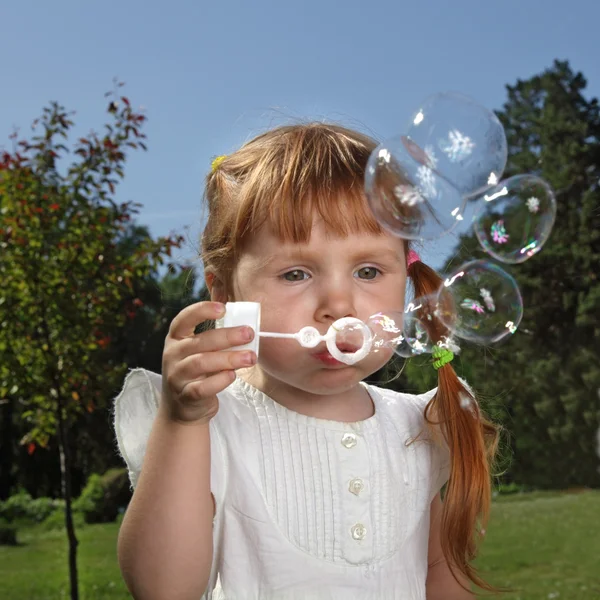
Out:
{"x": 66, "y": 284}
{"x": 544, "y": 383}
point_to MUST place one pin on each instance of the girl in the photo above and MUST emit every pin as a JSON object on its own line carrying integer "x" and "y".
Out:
{"x": 288, "y": 477}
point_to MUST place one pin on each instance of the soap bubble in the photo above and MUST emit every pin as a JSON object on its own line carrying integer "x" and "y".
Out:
{"x": 464, "y": 142}
{"x": 398, "y": 332}
{"x": 513, "y": 220}
{"x": 387, "y": 330}
{"x": 350, "y": 337}
{"x": 486, "y": 303}
{"x": 416, "y": 333}
{"x": 406, "y": 195}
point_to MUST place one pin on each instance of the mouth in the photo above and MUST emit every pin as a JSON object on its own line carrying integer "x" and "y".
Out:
{"x": 348, "y": 349}
{"x": 325, "y": 357}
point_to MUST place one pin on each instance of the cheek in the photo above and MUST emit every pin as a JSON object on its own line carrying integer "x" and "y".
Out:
{"x": 276, "y": 354}
{"x": 280, "y": 317}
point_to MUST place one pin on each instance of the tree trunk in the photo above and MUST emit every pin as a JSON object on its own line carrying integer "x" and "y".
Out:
{"x": 65, "y": 476}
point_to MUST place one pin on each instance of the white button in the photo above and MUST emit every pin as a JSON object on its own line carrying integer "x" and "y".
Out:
{"x": 359, "y": 531}
{"x": 349, "y": 440}
{"x": 356, "y": 486}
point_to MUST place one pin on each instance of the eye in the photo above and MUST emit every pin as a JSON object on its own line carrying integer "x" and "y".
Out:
{"x": 295, "y": 275}
{"x": 368, "y": 272}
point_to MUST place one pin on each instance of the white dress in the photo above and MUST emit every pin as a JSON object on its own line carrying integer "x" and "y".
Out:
{"x": 308, "y": 508}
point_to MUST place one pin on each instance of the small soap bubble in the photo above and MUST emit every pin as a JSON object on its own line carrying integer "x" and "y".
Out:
{"x": 514, "y": 219}
{"x": 349, "y": 338}
{"x": 386, "y": 328}
{"x": 400, "y": 332}
{"x": 406, "y": 195}
{"x": 464, "y": 142}
{"x": 421, "y": 326}
{"x": 486, "y": 303}
{"x": 416, "y": 337}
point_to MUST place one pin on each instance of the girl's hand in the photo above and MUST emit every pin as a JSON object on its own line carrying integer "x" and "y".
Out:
{"x": 196, "y": 367}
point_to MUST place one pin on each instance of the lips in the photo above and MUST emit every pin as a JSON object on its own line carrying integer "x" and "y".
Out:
{"x": 325, "y": 357}
{"x": 345, "y": 348}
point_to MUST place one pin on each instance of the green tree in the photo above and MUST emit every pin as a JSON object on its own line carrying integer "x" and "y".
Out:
{"x": 544, "y": 383}
{"x": 67, "y": 284}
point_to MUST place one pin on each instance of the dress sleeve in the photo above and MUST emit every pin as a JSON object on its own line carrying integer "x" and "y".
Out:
{"x": 134, "y": 412}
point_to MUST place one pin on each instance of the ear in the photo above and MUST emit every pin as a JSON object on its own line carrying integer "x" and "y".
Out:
{"x": 216, "y": 287}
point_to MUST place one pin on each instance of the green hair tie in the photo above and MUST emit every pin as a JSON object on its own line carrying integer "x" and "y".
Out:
{"x": 441, "y": 357}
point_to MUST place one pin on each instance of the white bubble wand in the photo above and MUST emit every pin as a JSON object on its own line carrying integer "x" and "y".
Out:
{"x": 248, "y": 313}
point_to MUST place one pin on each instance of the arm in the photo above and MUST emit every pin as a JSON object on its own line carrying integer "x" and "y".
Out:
{"x": 165, "y": 544}
{"x": 441, "y": 584}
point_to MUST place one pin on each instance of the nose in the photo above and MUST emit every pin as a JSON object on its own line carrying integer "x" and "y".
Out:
{"x": 335, "y": 301}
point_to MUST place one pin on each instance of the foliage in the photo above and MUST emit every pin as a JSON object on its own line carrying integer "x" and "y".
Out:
{"x": 65, "y": 280}
{"x": 543, "y": 384}
{"x": 68, "y": 284}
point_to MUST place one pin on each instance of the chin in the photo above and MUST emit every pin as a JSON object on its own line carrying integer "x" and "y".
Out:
{"x": 315, "y": 377}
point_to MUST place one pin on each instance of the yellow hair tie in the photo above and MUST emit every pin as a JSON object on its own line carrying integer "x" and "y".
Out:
{"x": 217, "y": 161}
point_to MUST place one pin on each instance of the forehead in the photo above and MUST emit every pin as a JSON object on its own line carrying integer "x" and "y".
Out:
{"x": 265, "y": 244}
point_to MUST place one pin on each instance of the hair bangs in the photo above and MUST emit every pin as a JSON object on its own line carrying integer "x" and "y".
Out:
{"x": 313, "y": 174}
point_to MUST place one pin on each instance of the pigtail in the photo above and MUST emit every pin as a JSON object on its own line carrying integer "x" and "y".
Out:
{"x": 472, "y": 441}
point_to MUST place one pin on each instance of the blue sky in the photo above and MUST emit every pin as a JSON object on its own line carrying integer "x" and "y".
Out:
{"x": 213, "y": 74}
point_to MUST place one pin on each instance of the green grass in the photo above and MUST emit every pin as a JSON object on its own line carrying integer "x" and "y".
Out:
{"x": 37, "y": 568}
{"x": 547, "y": 545}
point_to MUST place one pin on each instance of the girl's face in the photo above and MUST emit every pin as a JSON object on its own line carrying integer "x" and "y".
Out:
{"x": 315, "y": 284}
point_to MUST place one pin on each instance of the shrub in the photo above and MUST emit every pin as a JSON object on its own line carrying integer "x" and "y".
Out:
{"x": 8, "y": 535}
{"x": 511, "y": 488}
{"x": 22, "y": 508}
{"x": 90, "y": 502}
{"x": 117, "y": 492}
{"x": 103, "y": 496}
{"x": 57, "y": 521}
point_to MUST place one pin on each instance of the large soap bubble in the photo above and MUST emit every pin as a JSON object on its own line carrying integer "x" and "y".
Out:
{"x": 486, "y": 303}
{"x": 513, "y": 220}
{"x": 464, "y": 142}
{"x": 406, "y": 195}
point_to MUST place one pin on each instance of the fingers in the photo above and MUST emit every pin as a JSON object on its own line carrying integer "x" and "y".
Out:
{"x": 205, "y": 365}
{"x": 196, "y": 367}
{"x": 196, "y": 391}
{"x": 183, "y": 325}
{"x": 213, "y": 340}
